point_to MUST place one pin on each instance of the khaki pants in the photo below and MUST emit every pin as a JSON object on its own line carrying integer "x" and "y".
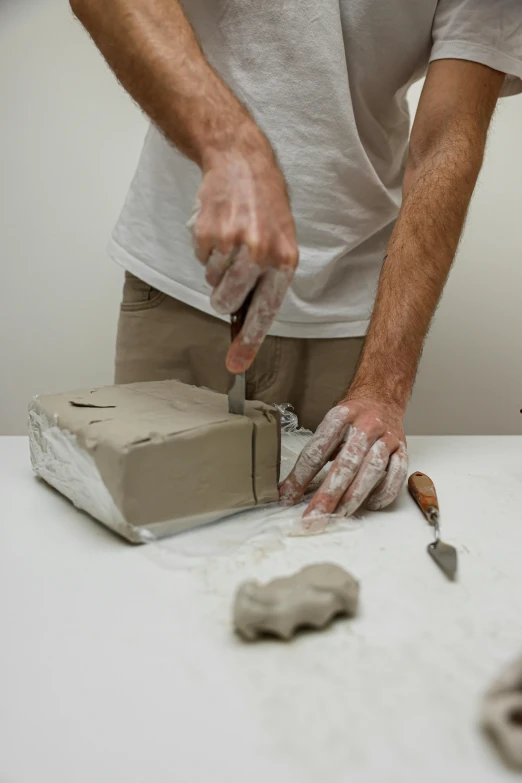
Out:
{"x": 161, "y": 338}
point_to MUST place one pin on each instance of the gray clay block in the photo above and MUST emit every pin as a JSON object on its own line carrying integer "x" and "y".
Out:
{"x": 502, "y": 714}
{"x": 160, "y": 456}
{"x": 311, "y": 597}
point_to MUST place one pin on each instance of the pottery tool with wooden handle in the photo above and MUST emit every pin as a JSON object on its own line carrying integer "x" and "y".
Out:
{"x": 237, "y": 392}
{"x": 422, "y": 490}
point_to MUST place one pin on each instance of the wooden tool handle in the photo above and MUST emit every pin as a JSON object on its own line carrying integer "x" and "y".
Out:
{"x": 422, "y": 490}
{"x": 238, "y": 318}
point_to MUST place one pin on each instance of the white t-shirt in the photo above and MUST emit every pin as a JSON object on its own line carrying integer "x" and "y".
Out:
{"x": 326, "y": 80}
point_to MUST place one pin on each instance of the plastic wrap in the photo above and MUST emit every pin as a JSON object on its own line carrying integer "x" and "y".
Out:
{"x": 267, "y": 531}
{"x": 58, "y": 458}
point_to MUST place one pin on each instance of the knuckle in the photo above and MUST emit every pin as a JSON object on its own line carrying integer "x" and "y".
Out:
{"x": 285, "y": 250}
{"x": 372, "y": 425}
{"x": 312, "y": 457}
{"x": 259, "y": 253}
{"x": 289, "y": 258}
{"x": 337, "y": 415}
{"x": 201, "y": 235}
{"x": 220, "y": 302}
{"x": 242, "y": 255}
{"x": 377, "y": 463}
{"x": 227, "y": 238}
{"x": 252, "y": 238}
{"x": 349, "y": 462}
{"x": 357, "y": 445}
{"x": 217, "y": 258}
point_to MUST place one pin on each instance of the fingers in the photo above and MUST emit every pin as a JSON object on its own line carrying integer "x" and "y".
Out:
{"x": 202, "y": 241}
{"x": 235, "y": 284}
{"x": 344, "y": 469}
{"x": 315, "y": 454}
{"x": 269, "y": 295}
{"x": 191, "y": 222}
{"x": 244, "y": 234}
{"x": 217, "y": 265}
{"x": 234, "y": 265}
{"x": 396, "y": 475}
{"x": 362, "y": 469}
{"x": 217, "y": 232}
{"x": 370, "y": 474}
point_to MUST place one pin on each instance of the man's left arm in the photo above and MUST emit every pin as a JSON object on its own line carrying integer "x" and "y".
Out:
{"x": 365, "y": 431}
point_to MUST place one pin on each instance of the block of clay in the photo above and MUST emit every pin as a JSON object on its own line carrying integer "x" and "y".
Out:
{"x": 155, "y": 458}
{"x": 312, "y": 597}
{"x": 502, "y": 714}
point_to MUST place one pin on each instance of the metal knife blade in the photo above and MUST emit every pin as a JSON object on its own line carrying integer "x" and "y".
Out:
{"x": 236, "y": 395}
{"x": 445, "y": 556}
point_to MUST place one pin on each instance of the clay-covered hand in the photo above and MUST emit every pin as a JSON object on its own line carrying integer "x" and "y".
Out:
{"x": 365, "y": 439}
{"x": 244, "y": 234}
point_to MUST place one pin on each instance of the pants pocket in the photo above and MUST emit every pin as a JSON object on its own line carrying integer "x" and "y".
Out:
{"x": 138, "y": 295}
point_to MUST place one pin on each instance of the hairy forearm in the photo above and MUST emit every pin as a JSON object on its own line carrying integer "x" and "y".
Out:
{"x": 152, "y": 49}
{"x": 438, "y": 190}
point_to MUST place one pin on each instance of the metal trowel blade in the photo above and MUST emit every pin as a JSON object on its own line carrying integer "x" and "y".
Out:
{"x": 445, "y": 556}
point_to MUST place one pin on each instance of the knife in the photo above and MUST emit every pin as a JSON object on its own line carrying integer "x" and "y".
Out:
{"x": 422, "y": 490}
{"x": 236, "y": 393}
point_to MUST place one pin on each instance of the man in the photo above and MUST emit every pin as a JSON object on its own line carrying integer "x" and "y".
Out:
{"x": 321, "y": 105}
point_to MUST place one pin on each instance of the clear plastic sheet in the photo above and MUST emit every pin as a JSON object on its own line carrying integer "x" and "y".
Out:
{"x": 289, "y": 421}
{"x": 261, "y": 531}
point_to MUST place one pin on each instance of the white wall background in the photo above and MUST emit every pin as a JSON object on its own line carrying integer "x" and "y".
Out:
{"x": 69, "y": 141}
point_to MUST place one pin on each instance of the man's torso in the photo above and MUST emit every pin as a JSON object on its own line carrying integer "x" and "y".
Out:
{"x": 327, "y": 82}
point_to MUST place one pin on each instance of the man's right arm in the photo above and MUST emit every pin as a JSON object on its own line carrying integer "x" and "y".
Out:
{"x": 150, "y": 46}
{"x": 243, "y": 201}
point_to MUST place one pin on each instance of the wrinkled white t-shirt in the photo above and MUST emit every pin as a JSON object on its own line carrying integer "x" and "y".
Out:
{"x": 326, "y": 80}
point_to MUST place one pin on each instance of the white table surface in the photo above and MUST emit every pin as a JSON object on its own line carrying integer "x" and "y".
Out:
{"x": 118, "y": 662}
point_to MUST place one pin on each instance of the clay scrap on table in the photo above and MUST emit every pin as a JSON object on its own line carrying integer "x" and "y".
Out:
{"x": 502, "y": 714}
{"x": 312, "y": 597}
{"x": 155, "y": 458}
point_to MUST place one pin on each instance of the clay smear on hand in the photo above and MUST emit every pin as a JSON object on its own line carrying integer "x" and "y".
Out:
{"x": 268, "y": 297}
{"x": 371, "y": 473}
{"x": 341, "y": 474}
{"x": 233, "y": 275}
{"x": 329, "y": 435}
{"x": 363, "y": 469}
{"x": 396, "y": 474}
